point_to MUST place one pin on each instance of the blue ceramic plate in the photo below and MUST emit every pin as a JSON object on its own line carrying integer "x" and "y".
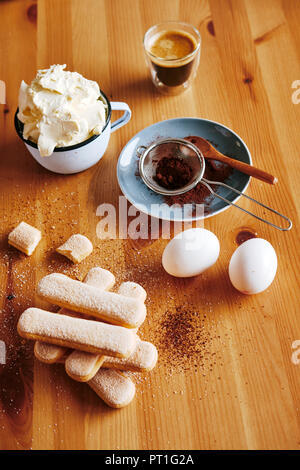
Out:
{"x": 144, "y": 199}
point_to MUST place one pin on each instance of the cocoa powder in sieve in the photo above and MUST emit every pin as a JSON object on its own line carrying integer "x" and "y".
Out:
{"x": 214, "y": 171}
{"x": 173, "y": 173}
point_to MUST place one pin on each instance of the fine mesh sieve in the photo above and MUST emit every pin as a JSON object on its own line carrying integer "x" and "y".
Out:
{"x": 189, "y": 154}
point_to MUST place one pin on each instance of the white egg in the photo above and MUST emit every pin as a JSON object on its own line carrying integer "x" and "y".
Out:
{"x": 191, "y": 252}
{"x": 253, "y": 266}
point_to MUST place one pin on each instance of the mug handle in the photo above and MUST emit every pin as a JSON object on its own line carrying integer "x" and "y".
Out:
{"x": 120, "y": 106}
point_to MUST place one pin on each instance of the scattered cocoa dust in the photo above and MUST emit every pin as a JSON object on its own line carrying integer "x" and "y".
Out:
{"x": 185, "y": 342}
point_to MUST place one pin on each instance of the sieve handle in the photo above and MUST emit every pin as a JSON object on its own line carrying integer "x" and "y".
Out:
{"x": 140, "y": 150}
{"x": 218, "y": 183}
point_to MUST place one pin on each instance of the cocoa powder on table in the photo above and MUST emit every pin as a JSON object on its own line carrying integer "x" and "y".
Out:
{"x": 184, "y": 340}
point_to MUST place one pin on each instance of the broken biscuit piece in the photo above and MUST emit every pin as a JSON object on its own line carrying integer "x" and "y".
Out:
{"x": 76, "y": 248}
{"x": 25, "y": 238}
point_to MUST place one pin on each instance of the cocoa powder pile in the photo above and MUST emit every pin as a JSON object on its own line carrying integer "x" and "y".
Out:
{"x": 173, "y": 173}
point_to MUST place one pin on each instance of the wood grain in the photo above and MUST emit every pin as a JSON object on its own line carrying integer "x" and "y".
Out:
{"x": 240, "y": 389}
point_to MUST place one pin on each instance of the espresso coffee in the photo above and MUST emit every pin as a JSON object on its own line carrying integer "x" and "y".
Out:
{"x": 171, "y": 56}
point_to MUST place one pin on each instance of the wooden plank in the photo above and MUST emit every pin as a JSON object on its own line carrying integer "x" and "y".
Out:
{"x": 16, "y": 376}
{"x": 230, "y": 383}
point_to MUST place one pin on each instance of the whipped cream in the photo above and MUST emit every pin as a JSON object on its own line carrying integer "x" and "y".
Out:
{"x": 60, "y": 108}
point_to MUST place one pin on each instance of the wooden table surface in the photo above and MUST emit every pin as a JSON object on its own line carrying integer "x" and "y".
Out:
{"x": 230, "y": 383}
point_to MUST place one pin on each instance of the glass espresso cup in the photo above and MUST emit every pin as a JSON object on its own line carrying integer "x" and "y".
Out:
{"x": 172, "y": 52}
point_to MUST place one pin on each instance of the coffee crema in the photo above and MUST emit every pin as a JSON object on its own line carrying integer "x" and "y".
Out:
{"x": 171, "y": 45}
{"x": 167, "y": 50}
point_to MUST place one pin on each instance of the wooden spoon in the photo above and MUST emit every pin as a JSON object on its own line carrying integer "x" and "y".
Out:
{"x": 210, "y": 153}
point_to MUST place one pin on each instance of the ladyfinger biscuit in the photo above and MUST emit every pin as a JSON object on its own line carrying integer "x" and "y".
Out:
{"x": 143, "y": 359}
{"x": 82, "y": 366}
{"x": 25, "y": 238}
{"x": 51, "y": 353}
{"x": 107, "y": 306}
{"x": 113, "y": 387}
{"x": 100, "y": 278}
{"x": 76, "y": 333}
{"x": 76, "y": 248}
{"x": 134, "y": 290}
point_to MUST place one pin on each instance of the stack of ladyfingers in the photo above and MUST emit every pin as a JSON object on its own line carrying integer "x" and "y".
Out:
{"x": 98, "y": 350}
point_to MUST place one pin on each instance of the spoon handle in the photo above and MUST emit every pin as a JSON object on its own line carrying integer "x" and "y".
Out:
{"x": 248, "y": 169}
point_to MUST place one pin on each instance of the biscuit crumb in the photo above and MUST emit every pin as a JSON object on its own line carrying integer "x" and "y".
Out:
{"x": 76, "y": 248}
{"x": 25, "y": 238}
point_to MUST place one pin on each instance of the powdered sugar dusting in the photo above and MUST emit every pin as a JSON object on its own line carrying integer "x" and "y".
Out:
{"x": 113, "y": 387}
{"x": 77, "y": 333}
{"x": 25, "y": 238}
{"x": 143, "y": 358}
{"x": 109, "y": 306}
{"x": 76, "y": 248}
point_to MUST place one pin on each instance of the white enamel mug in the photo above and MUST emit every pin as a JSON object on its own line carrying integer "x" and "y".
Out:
{"x": 79, "y": 157}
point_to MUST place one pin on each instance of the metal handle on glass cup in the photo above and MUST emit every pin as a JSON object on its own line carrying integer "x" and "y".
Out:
{"x": 218, "y": 183}
{"x": 120, "y": 106}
